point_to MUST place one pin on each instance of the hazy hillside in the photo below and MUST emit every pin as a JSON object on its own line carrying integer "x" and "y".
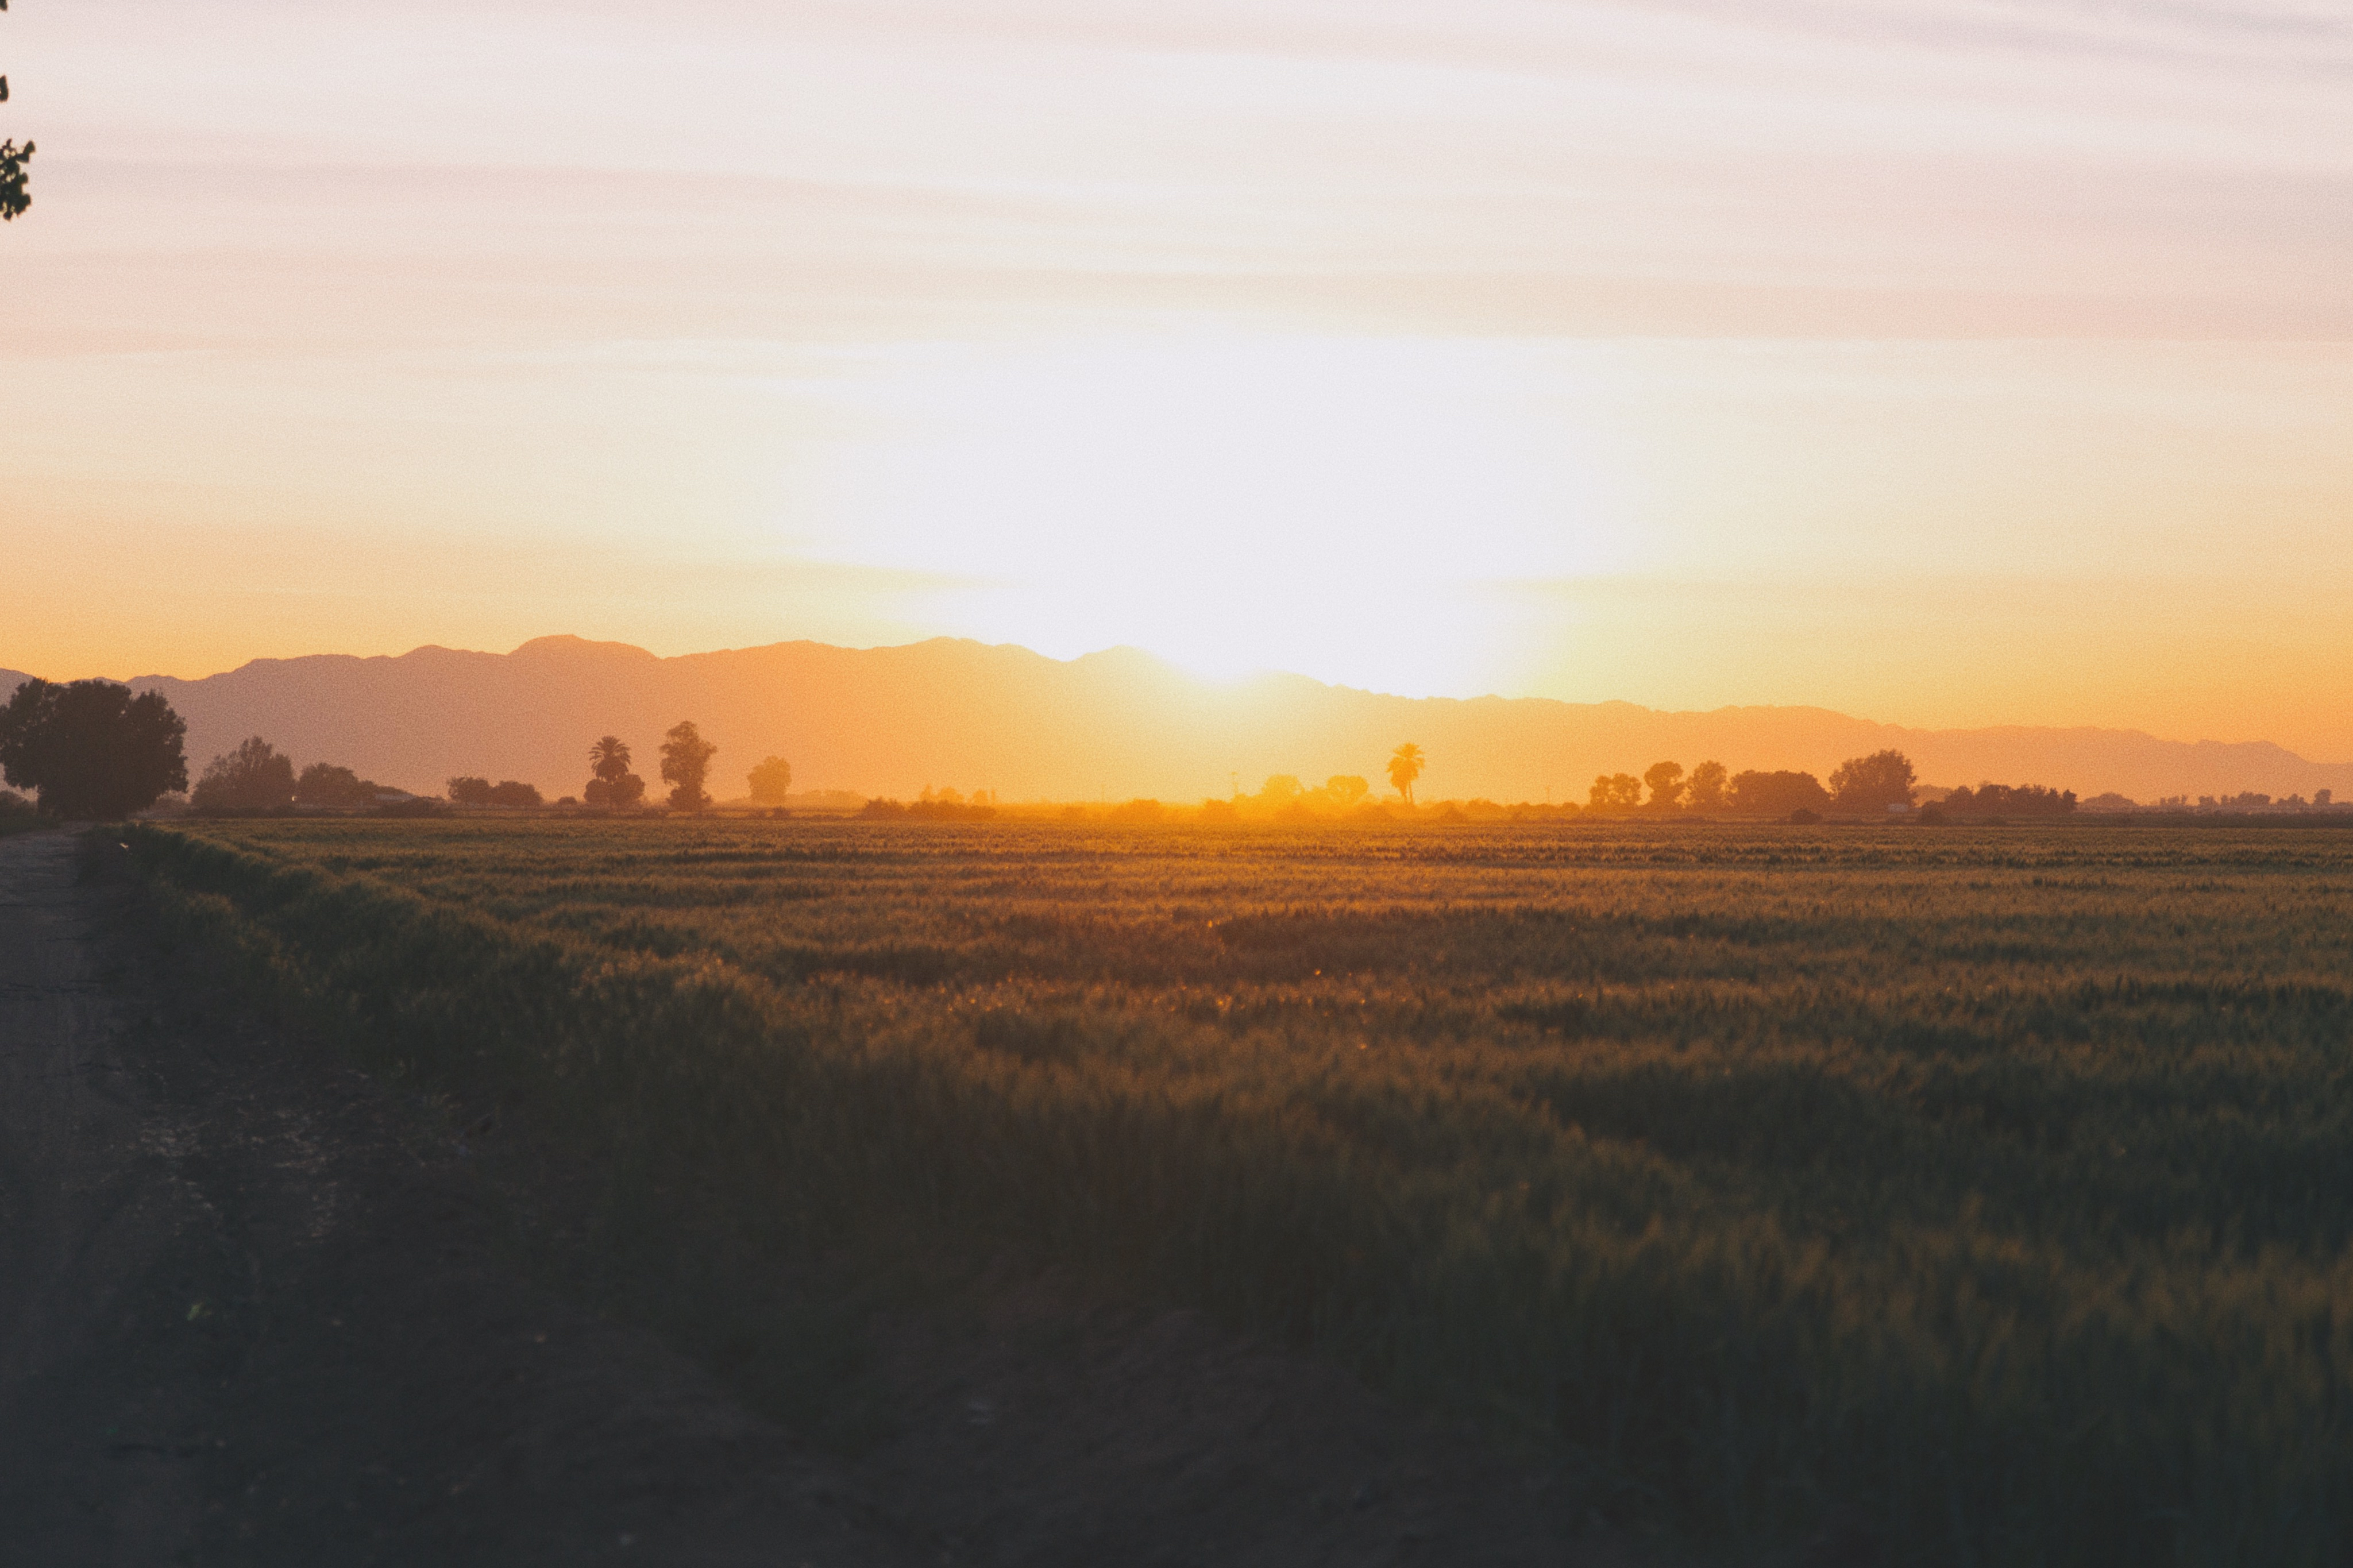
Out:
{"x": 1112, "y": 725}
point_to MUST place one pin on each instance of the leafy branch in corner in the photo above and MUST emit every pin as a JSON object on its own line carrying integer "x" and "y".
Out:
{"x": 13, "y": 160}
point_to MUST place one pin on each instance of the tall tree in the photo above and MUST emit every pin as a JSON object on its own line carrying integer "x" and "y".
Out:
{"x": 1666, "y": 782}
{"x": 13, "y": 199}
{"x": 686, "y": 762}
{"x": 90, "y": 749}
{"x": 1405, "y": 766}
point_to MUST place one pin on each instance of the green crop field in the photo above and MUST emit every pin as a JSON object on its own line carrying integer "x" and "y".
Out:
{"x": 1991, "y": 1186}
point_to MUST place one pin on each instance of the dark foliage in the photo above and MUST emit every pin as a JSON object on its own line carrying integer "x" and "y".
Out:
{"x": 2007, "y": 800}
{"x": 1754, "y": 794}
{"x": 619, "y": 792}
{"x": 90, "y": 748}
{"x": 336, "y": 787}
{"x": 15, "y": 199}
{"x": 1873, "y": 783}
{"x": 1705, "y": 791}
{"x": 686, "y": 762}
{"x": 1615, "y": 792}
{"x": 466, "y": 790}
{"x": 17, "y": 814}
{"x": 254, "y": 777}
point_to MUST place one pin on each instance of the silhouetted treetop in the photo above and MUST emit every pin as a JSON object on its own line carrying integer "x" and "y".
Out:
{"x": 2009, "y": 800}
{"x": 1404, "y": 766}
{"x": 255, "y": 776}
{"x": 608, "y": 759}
{"x": 771, "y": 780}
{"x": 330, "y": 784}
{"x": 686, "y": 762}
{"x": 1778, "y": 794}
{"x": 1873, "y": 783}
{"x": 1705, "y": 790}
{"x": 1614, "y": 792}
{"x": 91, "y": 749}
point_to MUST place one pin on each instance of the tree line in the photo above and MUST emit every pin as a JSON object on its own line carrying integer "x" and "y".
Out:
{"x": 95, "y": 750}
{"x": 1867, "y": 785}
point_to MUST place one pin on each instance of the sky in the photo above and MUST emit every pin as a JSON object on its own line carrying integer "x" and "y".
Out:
{"x": 1942, "y": 361}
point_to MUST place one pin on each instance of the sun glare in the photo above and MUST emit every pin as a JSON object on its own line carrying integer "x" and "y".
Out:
{"x": 1333, "y": 507}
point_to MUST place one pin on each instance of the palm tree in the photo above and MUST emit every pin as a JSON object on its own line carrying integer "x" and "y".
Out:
{"x": 608, "y": 759}
{"x": 1405, "y": 766}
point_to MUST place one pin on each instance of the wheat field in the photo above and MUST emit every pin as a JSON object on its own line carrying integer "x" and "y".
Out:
{"x": 1993, "y": 1186}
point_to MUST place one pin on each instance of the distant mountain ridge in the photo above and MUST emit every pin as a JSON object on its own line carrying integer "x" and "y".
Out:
{"x": 1111, "y": 725}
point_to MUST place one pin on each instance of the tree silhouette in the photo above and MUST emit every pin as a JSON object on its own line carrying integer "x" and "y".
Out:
{"x": 619, "y": 793}
{"x": 1666, "y": 782}
{"x": 686, "y": 762}
{"x": 1345, "y": 790}
{"x": 1280, "y": 790}
{"x": 1615, "y": 792}
{"x": 13, "y": 161}
{"x": 1775, "y": 793}
{"x": 90, "y": 749}
{"x": 608, "y": 759}
{"x": 466, "y": 790}
{"x": 615, "y": 785}
{"x": 1405, "y": 766}
{"x": 2032, "y": 800}
{"x": 256, "y": 777}
{"x": 1873, "y": 783}
{"x": 1705, "y": 791}
{"x": 331, "y": 785}
{"x": 771, "y": 780}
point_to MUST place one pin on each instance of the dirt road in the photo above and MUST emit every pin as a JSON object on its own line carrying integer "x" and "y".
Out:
{"x": 254, "y": 1310}
{"x": 241, "y": 1321}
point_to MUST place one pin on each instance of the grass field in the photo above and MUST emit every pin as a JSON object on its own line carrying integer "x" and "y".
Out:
{"x": 1992, "y": 1187}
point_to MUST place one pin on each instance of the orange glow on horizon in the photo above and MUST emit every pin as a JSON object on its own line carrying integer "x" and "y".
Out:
{"x": 1893, "y": 363}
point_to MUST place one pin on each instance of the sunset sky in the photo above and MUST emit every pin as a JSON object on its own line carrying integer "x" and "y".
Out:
{"x": 1944, "y": 362}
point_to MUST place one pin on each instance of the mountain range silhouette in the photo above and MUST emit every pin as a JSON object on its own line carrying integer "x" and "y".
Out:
{"x": 1111, "y": 725}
